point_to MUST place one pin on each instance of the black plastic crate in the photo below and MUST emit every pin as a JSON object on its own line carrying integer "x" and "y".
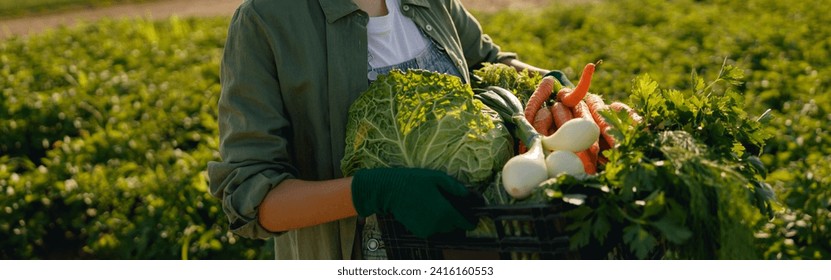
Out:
{"x": 517, "y": 232}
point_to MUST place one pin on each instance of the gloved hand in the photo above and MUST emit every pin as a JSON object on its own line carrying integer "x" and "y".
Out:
{"x": 560, "y": 76}
{"x": 424, "y": 201}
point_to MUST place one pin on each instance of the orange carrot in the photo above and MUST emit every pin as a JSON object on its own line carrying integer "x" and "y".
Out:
{"x": 595, "y": 150}
{"x": 563, "y": 92}
{"x": 561, "y": 114}
{"x": 594, "y": 154}
{"x": 571, "y": 99}
{"x": 581, "y": 110}
{"x": 538, "y": 98}
{"x": 590, "y": 155}
{"x": 596, "y": 104}
{"x": 589, "y": 163}
{"x": 535, "y": 103}
{"x": 543, "y": 121}
{"x": 620, "y": 106}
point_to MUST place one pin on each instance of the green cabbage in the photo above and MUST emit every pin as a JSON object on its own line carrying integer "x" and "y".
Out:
{"x": 427, "y": 120}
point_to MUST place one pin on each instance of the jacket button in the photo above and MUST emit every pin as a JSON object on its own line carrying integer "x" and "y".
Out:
{"x": 429, "y": 27}
{"x": 373, "y": 245}
{"x": 406, "y": 7}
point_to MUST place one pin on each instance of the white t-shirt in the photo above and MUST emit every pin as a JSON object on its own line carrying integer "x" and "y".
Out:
{"x": 393, "y": 38}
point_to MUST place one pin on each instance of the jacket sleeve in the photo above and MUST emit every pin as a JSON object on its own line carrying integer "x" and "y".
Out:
{"x": 252, "y": 126}
{"x": 477, "y": 46}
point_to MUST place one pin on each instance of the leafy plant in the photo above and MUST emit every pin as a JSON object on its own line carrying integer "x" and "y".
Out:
{"x": 800, "y": 229}
{"x": 521, "y": 83}
{"x": 105, "y": 132}
{"x": 679, "y": 184}
{"x": 428, "y": 120}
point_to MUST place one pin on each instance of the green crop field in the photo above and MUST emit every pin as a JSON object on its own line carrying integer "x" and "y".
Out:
{"x": 106, "y": 127}
{"x": 20, "y": 8}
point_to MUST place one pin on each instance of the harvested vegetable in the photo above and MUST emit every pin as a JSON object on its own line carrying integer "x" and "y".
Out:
{"x": 540, "y": 96}
{"x": 561, "y": 114}
{"x": 575, "y": 135}
{"x": 679, "y": 184}
{"x": 590, "y": 157}
{"x": 427, "y": 120}
{"x": 524, "y": 172}
{"x": 543, "y": 121}
{"x": 620, "y": 106}
{"x": 570, "y": 98}
{"x": 521, "y": 83}
{"x": 564, "y": 162}
{"x": 597, "y": 105}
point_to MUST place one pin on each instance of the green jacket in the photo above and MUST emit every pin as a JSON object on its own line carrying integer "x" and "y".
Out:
{"x": 289, "y": 72}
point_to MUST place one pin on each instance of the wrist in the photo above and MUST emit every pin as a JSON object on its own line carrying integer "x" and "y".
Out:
{"x": 367, "y": 194}
{"x": 520, "y": 66}
{"x": 561, "y": 77}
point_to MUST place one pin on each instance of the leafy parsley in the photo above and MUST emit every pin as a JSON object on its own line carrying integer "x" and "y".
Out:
{"x": 685, "y": 183}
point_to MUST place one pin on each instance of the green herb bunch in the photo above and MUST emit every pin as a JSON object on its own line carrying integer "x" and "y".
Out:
{"x": 683, "y": 183}
{"x": 521, "y": 83}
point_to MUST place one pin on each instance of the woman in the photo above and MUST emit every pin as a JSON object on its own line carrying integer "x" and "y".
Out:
{"x": 289, "y": 72}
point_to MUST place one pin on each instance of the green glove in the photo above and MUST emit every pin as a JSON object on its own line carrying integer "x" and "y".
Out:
{"x": 561, "y": 77}
{"x": 425, "y": 201}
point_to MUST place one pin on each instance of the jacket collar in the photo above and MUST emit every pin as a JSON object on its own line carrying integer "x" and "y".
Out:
{"x": 336, "y": 9}
{"x": 423, "y": 3}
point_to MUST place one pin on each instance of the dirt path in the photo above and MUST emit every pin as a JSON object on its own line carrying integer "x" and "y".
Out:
{"x": 161, "y": 9}
{"x": 187, "y": 8}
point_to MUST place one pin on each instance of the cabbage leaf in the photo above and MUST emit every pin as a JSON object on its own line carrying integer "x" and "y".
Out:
{"x": 427, "y": 120}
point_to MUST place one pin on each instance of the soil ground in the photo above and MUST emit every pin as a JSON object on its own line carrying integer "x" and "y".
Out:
{"x": 189, "y": 8}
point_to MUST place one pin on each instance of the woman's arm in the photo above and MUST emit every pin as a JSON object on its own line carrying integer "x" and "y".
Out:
{"x": 519, "y": 66}
{"x": 295, "y": 204}
{"x": 477, "y": 46}
{"x": 252, "y": 124}
{"x": 425, "y": 201}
